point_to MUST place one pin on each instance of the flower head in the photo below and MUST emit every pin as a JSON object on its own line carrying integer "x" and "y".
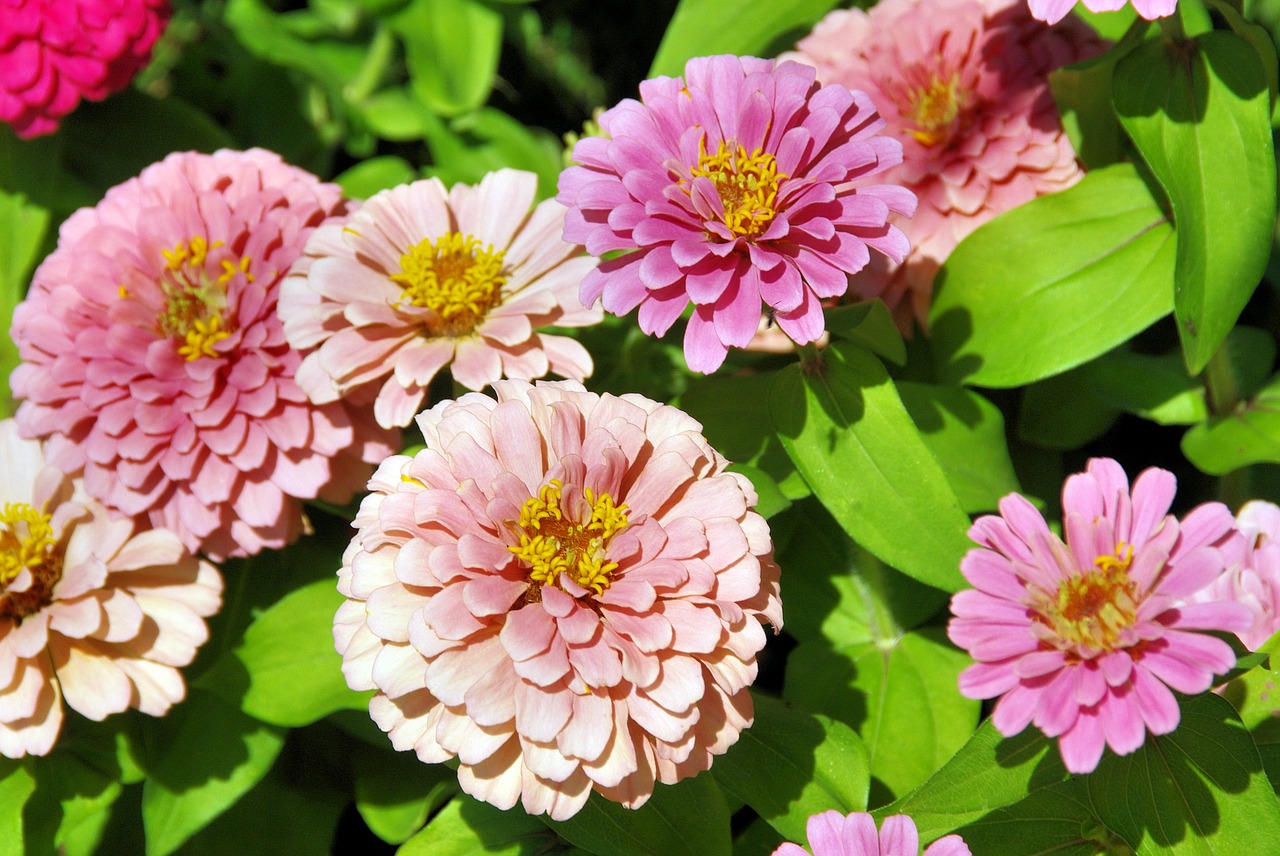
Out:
{"x": 834, "y": 834}
{"x": 55, "y": 52}
{"x": 1053, "y": 11}
{"x": 736, "y": 186}
{"x": 1086, "y": 638}
{"x": 964, "y": 86}
{"x": 154, "y": 358}
{"x": 1255, "y": 580}
{"x": 564, "y": 591}
{"x": 422, "y": 277}
{"x": 92, "y": 611}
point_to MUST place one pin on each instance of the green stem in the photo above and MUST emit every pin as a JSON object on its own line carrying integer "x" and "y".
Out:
{"x": 381, "y": 50}
{"x": 1220, "y": 384}
{"x": 1172, "y": 29}
{"x": 810, "y": 357}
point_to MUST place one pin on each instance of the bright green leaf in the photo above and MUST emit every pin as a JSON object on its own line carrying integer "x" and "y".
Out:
{"x": 1200, "y": 115}
{"x": 370, "y": 176}
{"x": 16, "y": 787}
{"x": 452, "y": 48}
{"x": 470, "y": 146}
{"x": 1249, "y": 435}
{"x": 747, "y": 28}
{"x": 396, "y": 793}
{"x": 771, "y": 498}
{"x": 467, "y": 827}
{"x": 1058, "y": 819}
{"x": 870, "y": 324}
{"x": 1155, "y": 388}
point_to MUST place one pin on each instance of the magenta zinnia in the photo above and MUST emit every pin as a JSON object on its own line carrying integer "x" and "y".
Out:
{"x": 565, "y": 591}
{"x": 738, "y": 186}
{"x": 53, "y": 53}
{"x": 421, "y": 278}
{"x": 834, "y": 834}
{"x": 154, "y": 358}
{"x": 93, "y": 613}
{"x": 1085, "y": 638}
{"x": 964, "y": 86}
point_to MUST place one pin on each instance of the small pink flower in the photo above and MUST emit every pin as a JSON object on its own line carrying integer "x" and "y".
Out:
{"x": 1053, "y": 11}
{"x": 55, "y": 52}
{"x": 1086, "y": 638}
{"x": 154, "y": 358}
{"x": 564, "y": 591}
{"x": 1255, "y": 581}
{"x": 422, "y": 277}
{"x": 834, "y": 834}
{"x": 92, "y": 612}
{"x": 737, "y": 187}
{"x": 964, "y": 86}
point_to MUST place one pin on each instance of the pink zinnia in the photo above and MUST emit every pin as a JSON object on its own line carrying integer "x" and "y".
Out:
{"x": 422, "y": 277}
{"x": 92, "y": 612}
{"x": 55, "y": 52}
{"x": 964, "y": 85}
{"x": 1085, "y": 638}
{"x": 1255, "y": 580}
{"x": 565, "y": 591}
{"x": 155, "y": 359}
{"x": 735, "y": 186}
{"x": 834, "y": 834}
{"x": 1054, "y": 11}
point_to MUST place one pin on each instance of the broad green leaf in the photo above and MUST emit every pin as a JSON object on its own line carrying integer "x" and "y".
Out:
{"x": 1249, "y": 435}
{"x": 1008, "y": 312}
{"x": 16, "y": 787}
{"x": 855, "y": 444}
{"x": 452, "y": 49}
{"x": 870, "y": 324}
{"x": 1200, "y": 115}
{"x": 689, "y": 818}
{"x": 1155, "y": 388}
{"x": 202, "y": 758}
{"x": 396, "y": 793}
{"x": 966, "y": 434}
{"x": 758, "y": 839}
{"x": 1083, "y": 94}
{"x": 1058, "y": 819}
{"x": 23, "y": 225}
{"x": 1256, "y": 694}
{"x": 771, "y": 498}
{"x": 394, "y": 114}
{"x": 467, "y": 827}
{"x": 1259, "y": 39}
{"x": 1250, "y": 353}
{"x": 747, "y": 28}
{"x": 791, "y": 764}
{"x": 1060, "y": 413}
{"x": 370, "y": 176}
{"x": 468, "y": 147}
{"x": 900, "y": 694}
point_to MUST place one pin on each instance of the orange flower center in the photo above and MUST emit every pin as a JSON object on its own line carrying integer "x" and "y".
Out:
{"x": 934, "y": 110}
{"x": 27, "y": 543}
{"x": 195, "y": 304}
{"x": 551, "y": 544}
{"x": 456, "y": 278}
{"x": 747, "y": 183}
{"x": 1092, "y": 609}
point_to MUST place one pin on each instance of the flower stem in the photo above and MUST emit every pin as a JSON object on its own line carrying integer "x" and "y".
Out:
{"x": 1221, "y": 393}
{"x": 1172, "y": 29}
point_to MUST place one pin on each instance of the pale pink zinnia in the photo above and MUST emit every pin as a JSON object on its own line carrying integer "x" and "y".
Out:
{"x": 738, "y": 186}
{"x": 834, "y": 834}
{"x": 964, "y": 85}
{"x": 565, "y": 591}
{"x": 1255, "y": 580}
{"x": 1086, "y": 638}
{"x": 92, "y": 612}
{"x": 1053, "y": 11}
{"x": 155, "y": 360}
{"x": 53, "y": 53}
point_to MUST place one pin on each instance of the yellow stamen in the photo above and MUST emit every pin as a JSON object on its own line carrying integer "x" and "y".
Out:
{"x": 455, "y": 277}
{"x": 195, "y": 300}
{"x": 551, "y": 544}
{"x": 934, "y": 109}
{"x": 1094, "y": 608}
{"x": 27, "y": 543}
{"x": 201, "y": 338}
{"x": 408, "y": 479}
{"x": 748, "y": 185}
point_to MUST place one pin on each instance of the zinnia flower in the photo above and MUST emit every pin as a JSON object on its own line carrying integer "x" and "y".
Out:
{"x": 1255, "y": 580}
{"x": 55, "y": 52}
{"x": 155, "y": 359}
{"x": 964, "y": 85}
{"x": 92, "y": 612}
{"x": 422, "y": 277}
{"x": 735, "y": 186}
{"x": 1054, "y": 11}
{"x": 565, "y": 591}
{"x": 834, "y": 834}
{"x": 1086, "y": 638}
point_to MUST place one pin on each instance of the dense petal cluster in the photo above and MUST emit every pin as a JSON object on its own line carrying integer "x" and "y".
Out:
{"x": 1053, "y": 11}
{"x": 421, "y": 278}
{"x": 1255, "y": 580}
{"x": 964, "y": 86}
{"x": 93, "y": 613}
{"x": 53, "y": 53}
{"x": 155, "y": 360}
{"x": 739, "y": 186}
{"x": 564, "y": 591}
{"x": 834, "y": 834}
{"x": 1085, "y": 638}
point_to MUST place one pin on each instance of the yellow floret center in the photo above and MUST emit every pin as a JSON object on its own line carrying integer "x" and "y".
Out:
{"x": 551, "y": 544}
{"x": 748, "y": 185}
{"x": 27, "y": 543}
{"x": 455, "y": 277}
{"x": 195, "y": 301}
{"x": 1094, "y": 608}
{"x": 933, "y": 109}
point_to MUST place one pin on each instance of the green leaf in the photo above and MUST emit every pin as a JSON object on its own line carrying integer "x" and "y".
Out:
{"x": 396, "y": 793}
{"x": 1083, "y": 94}
{"x": 1061, "y": 413}
{"x": 452, "y": 49}
{"x": 16, "y": 786}
{"x": 286, "y": 671}
{"x": 1058, "y": 819}
{"x": 370, "y": 176}
{"x": 855, "y": 444}
{"x": 747, "y": 28}
{"x": 966, "y": 434}
{"x": 202, "y": 758}
{"x": 689, "y": 817}
{"x": 1249, "y": 435}
{"x": 467, "y": 827}
{"x": 1250, "y": 353}
{"x": 791, "y": 764}
{"x": 1200, "y": 115}
{"x": 870, "y": 324}
{"x": 1155, "y": 388}
{"x": 1007, "y": 312}
{"x": 772, "y": 500}
{"x": 470, "y": 146}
